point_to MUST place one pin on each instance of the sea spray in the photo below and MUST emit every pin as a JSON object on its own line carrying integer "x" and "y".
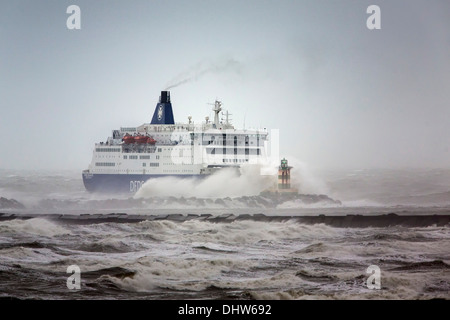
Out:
{"x": 227, "y": 182}
{"x": 304, "y": 179}
{"x": 249, "y": 180}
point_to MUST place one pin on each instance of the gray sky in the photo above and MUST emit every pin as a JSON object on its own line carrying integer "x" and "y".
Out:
{"x": 341, "y": 95}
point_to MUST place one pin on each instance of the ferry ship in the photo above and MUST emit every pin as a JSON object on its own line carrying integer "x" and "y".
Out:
{"x": 161, "y": 148}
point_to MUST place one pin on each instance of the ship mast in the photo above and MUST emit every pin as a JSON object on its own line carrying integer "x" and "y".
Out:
{"x": 217, "y": 108}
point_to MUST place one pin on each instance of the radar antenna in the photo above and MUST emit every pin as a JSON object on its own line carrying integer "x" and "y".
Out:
{"x": 227, "y": 118}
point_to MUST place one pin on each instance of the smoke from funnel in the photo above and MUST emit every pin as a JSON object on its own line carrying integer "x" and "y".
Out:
{"x": 203, "y": 68}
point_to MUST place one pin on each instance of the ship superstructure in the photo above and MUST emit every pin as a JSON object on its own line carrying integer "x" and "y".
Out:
{"x": 132, "y": 155}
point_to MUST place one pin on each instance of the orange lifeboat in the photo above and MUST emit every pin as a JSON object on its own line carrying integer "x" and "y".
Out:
{"x": 128, "y": 139}
{"x": 151, "y": 140}
{"x": 141, "y": 139}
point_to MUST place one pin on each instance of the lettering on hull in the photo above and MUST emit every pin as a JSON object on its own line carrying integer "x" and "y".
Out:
{"x": 135, "y": 185}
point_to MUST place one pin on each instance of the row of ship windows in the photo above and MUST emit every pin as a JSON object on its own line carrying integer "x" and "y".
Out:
{"x": 179, "y": 156}
{"x": 140, "y": 157}
{"x": 140, "y": 171}
{"x": 234, "y": 160}
{"x": 112, "y": 164}
{"x": 230, "y": 143}
{"x": 140, "y": 150}
{"x": 235, "y": 151}
{"x": 118, "y": 150}
{"x": 156, "y": 164}
{"x": 107, "y": 150}
{"x": 128, "y": 129}
{"x": 105, "y": 164}
{"x": 151, "y": 164}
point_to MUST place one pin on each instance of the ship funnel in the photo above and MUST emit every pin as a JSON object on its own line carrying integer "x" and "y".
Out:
{"x": 165, "y": 97}
{"x": 163, "y": 112}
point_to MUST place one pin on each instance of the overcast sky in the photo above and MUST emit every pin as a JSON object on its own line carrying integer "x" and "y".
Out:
{"x": 342, "y": 95}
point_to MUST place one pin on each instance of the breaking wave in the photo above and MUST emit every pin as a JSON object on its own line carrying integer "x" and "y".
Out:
{"x": 240, "y": 259}
{"x": 224, "y": 183}
{"x": 34, "y": 226}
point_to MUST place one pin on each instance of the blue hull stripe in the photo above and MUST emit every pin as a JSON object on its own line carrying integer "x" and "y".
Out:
{"x": 123, "y": 183}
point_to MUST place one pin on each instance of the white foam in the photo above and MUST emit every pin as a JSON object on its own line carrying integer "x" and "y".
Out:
{"x": 351, "y": 286}
{"x": 236, "y": 232}
{"x": 361, "y": 203}
{"x": 223, "y": 183}
{"x": 179, "y": 273}
{"x": 298, "y": 203}
{"x": 36, "y": 226}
